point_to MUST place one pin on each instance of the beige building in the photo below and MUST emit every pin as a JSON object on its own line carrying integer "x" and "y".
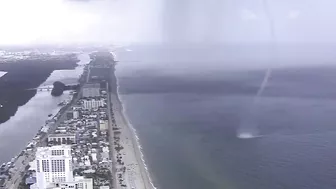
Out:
{"x": 103, "y": 125}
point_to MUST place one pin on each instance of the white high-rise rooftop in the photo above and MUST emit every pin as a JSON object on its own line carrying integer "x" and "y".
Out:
{"x": 53, "y": 165}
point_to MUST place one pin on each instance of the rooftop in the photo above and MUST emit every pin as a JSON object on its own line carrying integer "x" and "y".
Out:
{"x": 62, "y": 135}
{"x": 92, "y": 85}
{"x": 45, "y": 152}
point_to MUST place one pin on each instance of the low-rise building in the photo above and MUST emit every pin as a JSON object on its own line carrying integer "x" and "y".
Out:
{"x": 94, "y": 157}
{"x": 78, "y": 183}
{"x": 75, "y": 114}
{"x": 62, "y": 138}
{"x": 92, "y": 103}
{"x": 103, "y": 126}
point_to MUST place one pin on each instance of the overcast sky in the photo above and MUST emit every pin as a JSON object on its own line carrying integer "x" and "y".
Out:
{"x": 129, "y": 21}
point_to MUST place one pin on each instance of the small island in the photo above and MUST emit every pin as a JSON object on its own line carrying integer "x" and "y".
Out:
{"x": 60, "y": 87}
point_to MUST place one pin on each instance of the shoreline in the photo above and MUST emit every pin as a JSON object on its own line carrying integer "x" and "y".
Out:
{"x": 136, "y": 146}
{"x": 136, "y": 140}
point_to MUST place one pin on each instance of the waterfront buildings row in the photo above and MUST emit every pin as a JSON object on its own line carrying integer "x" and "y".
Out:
{"x": 78, "y": 149}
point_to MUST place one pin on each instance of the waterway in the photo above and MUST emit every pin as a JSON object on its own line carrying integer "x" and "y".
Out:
{"x": 21, "y": 128}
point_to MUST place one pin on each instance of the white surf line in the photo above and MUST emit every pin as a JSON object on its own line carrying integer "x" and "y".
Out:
{"x": 134, "y": 132}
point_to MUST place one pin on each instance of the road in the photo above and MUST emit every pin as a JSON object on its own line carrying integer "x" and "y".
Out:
{"x": 20, "y": 166}
{"x": 111, "y": 138}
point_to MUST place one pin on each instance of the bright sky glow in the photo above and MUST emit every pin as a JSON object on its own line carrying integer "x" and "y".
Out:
{"x": 294, "y": 14}
{"x": 31, "y": 21}
{"x": 248, "y": 15}
{"x": 71, "y": 21}
{"x": 130, "y": 21}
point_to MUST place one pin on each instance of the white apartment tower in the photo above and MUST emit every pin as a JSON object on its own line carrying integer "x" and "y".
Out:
{"x": 53, "y": 165}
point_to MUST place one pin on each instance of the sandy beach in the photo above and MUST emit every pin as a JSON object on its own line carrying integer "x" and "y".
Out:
{"x": 131, "y": 169}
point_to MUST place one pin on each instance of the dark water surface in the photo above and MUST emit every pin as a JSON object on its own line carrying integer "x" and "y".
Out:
{"x": 21, "y": 76}
{"x": 25, "y": 111}
{"x": 188, "y": 120}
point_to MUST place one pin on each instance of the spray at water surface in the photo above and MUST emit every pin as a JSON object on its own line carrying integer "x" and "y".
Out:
{"x": 248, "y": 127}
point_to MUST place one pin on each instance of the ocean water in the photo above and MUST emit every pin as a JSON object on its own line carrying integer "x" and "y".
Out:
{"x": 189, "y": 119}
{"x": 21, "y": 128}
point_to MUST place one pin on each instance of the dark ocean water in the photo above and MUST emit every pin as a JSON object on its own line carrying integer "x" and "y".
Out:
{"x": 188, "y": 121}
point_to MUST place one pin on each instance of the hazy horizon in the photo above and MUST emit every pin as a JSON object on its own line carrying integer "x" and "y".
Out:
{"x": 292, "y": 32}
{"x": 161, "y": 21}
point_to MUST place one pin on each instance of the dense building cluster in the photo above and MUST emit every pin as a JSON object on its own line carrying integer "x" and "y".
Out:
{"x": 72, "y": 149}
{"x": 77, "y": 152}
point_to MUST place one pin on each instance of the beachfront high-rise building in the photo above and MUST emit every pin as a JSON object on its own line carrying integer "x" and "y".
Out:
{"x": 53, "y": 165}
{"x": 91, "y": 90}
{"x": 54, "y": 170}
